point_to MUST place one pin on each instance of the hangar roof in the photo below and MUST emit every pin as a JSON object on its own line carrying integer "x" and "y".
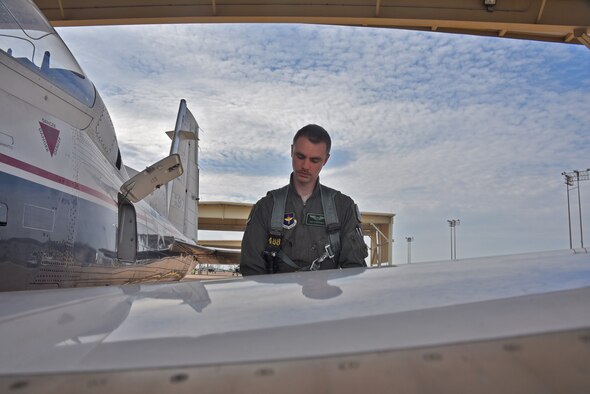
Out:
{"x": 545, "y": 20}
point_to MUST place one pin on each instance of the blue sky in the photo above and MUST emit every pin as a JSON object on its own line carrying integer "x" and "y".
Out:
{"x": 428, "y": 126}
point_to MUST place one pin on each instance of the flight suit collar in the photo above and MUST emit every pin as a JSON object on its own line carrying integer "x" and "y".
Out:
{"x": 315, "y": 192}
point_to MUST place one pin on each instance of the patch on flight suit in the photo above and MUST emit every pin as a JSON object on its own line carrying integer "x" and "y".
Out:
{"x": 315, "y": 219}
{"x": 289, "y": 220}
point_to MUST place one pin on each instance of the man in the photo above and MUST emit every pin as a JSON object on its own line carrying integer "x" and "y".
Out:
{"x": 304, "y": 225}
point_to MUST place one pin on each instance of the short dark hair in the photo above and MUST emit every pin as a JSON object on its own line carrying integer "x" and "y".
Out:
{"x": 315, "y": 134}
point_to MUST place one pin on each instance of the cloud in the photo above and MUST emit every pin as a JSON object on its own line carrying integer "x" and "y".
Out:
{"x": 428, "y": 126}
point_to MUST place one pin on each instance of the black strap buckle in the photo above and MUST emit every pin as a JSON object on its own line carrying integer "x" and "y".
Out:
{"x": 333, "y": 228}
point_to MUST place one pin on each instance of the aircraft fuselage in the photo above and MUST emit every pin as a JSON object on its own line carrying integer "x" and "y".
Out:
{"x": 60, "y": 174}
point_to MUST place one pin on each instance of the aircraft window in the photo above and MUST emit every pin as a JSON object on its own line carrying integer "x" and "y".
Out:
{"x": 27, "y": 17}
{"x": 16, "y": 47}
{"x": 26, "y": 36}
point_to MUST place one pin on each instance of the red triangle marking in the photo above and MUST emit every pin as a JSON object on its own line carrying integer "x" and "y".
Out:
{"x": 51, "y": 134}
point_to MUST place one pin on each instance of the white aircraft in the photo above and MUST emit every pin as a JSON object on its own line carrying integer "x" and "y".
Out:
{"x": 504, "y": 324}
{"x": 69, "y": 214}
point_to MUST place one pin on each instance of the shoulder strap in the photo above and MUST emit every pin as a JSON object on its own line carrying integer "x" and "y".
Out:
{"x": 279, "y": 197}
{"x": 276, "y": 221}
{"x": 332, "y": 224}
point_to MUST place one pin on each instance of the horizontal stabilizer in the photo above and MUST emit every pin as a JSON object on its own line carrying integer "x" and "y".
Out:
{"x": 183, "y": 134}
{"x": 150, "y": 179}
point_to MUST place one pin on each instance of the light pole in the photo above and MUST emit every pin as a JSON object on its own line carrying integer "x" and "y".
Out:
{"x": 410, "y": 240}
{"x": 579, "y": 207}
{"x": 569, "y": 182}
{"x": 453, "y": 223}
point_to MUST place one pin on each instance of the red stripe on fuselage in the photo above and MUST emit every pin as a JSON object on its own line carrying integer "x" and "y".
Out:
{"x": 11, "y": 161}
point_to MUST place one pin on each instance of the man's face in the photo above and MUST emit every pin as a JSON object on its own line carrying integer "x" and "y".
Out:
{"x": 308, "y": 159}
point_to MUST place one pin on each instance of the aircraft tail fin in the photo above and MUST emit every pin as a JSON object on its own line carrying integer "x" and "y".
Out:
{"x": 182, "y": 194}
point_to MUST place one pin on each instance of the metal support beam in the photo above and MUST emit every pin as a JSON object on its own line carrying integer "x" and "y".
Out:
{"x": 61, "y": 9}
{"x": 583, "y": 36}
{"x": 541, "y": 9}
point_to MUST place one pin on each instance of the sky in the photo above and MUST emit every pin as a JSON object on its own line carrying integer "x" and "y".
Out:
{"x": 428, "y": 126}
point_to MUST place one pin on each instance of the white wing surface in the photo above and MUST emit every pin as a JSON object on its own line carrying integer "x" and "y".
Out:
{"x": 505, "y": 324}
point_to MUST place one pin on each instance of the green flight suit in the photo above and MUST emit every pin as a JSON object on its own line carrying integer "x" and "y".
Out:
{"x": 304, "y": 233}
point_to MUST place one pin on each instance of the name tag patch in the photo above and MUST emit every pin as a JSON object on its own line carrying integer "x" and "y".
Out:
{"x": 289, "y": 221}
{"x": 315, "y": 219}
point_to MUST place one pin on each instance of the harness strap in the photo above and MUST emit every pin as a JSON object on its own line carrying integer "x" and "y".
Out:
{"x": 278, "y": 209}
{"x": 287, "y": 260}
{"x": 332, "y": 224}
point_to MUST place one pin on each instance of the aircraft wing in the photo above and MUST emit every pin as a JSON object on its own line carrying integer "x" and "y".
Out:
{"x": 207, "y": 255}
{"x": 499, "y": 325}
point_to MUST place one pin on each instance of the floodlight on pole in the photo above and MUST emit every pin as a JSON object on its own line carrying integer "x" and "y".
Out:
{"x": 410, "y": 240}
{"x": 453, "y": 223}
{"x": 568, "y": 182}
{"x": 570, "y": 177}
